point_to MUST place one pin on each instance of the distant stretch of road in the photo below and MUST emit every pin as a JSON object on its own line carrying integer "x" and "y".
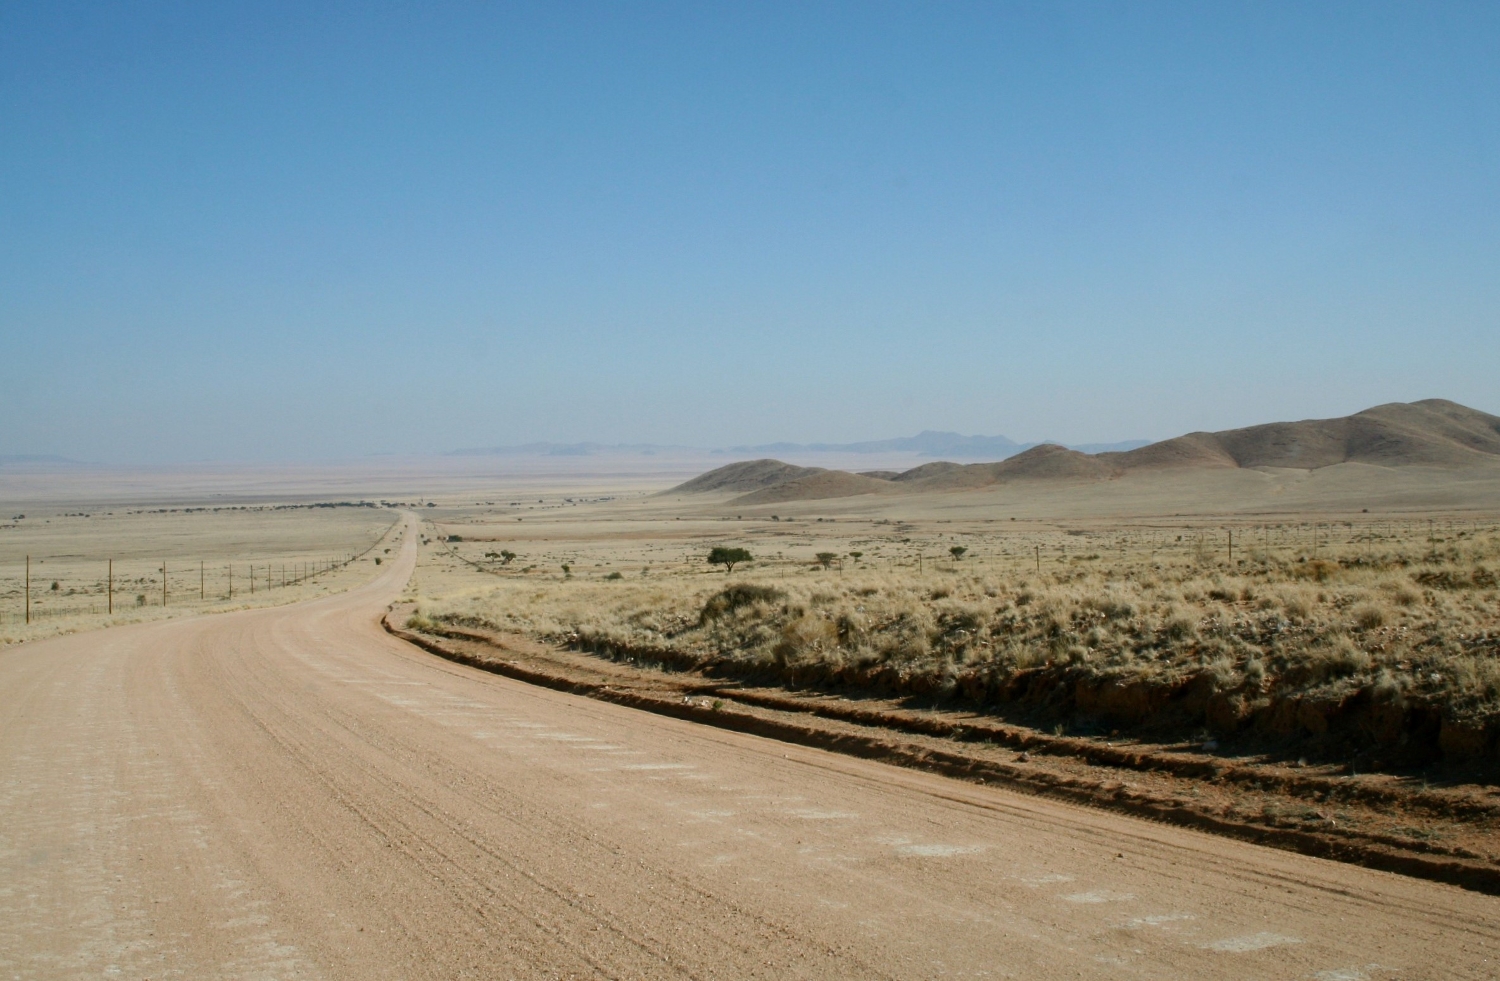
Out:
{"x": 291, "y": 793}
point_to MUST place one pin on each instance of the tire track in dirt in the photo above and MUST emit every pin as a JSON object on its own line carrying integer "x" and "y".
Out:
{"x": 294, "y": 793}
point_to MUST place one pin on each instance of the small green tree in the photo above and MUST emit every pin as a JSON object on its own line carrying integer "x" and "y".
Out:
{"x": 856, "y": 556}
{"x": 826, "y": 558}
{"x": 957, "y": 552}
{"x": 727, "y": 557}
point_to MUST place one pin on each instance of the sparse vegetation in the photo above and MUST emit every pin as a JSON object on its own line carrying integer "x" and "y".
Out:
{"x": 1388, "y": 648}
{"x": 104, "y": 566}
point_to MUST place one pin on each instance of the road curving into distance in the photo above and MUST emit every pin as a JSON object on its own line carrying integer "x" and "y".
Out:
{"x": 292, "y": 793}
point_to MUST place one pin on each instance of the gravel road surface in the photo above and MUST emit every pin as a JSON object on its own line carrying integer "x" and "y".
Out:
{"x": 291, "y": 793}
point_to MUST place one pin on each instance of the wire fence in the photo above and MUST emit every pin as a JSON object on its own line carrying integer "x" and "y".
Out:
{"x": 40, "y": 589}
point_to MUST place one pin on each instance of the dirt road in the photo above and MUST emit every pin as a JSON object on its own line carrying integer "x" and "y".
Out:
{"x": 291, "y": 793}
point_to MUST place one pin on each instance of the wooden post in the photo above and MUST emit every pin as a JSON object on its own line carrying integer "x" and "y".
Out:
{"x": 1231, "y": 548}
{"x": 28, "y": 589}
{"x": 252, "y": 578}
{"x": 230, "y": 567}
{"x": 202, "y": 582}
{"x": 1039, "y": 560}
{"x": 110, "y": 590}
{"x": 163, "y": 584}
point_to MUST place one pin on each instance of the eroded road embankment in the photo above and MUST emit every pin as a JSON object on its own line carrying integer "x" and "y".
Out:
{"x": 1447, "y": 834}
{"x": 293, "y": 793}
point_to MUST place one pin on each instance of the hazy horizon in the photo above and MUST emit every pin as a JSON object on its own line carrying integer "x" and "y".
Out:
{"x": 280, "y": 232}
{"x": 559, "y": 449}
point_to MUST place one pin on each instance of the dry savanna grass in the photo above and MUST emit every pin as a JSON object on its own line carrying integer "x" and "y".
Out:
{"x": 1329, "y": 638}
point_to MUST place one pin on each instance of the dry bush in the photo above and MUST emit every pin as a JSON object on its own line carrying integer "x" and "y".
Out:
{"x": 1396, "y": 624}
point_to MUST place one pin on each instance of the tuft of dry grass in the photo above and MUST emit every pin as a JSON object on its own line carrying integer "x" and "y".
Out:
{"x": 1281, "y": 643}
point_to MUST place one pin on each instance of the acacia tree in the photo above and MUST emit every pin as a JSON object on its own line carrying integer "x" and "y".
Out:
{"x": 826, "y": 558}
{"x": 957, "y": 551}
{"x": 727, "y": 557}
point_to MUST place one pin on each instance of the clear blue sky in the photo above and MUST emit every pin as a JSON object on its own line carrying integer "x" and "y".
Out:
{"x": 254, "y": 231}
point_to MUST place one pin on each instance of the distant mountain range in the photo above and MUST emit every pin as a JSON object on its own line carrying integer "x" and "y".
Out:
{"x": 927, "y": 443}
{"x": 1431, "y": 433}
{"x": 34, "y": 459}
{"x": 572, "y": 449}
{"x": 932, "y": 443}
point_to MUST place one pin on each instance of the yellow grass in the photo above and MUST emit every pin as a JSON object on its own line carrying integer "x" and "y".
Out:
{"x": 1390, "y": 608}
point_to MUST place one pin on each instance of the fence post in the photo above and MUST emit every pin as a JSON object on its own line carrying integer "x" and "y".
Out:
{"x": 163, "y": 584}
{"x": 28, "y": 589}
{"x": 111, "y": 588}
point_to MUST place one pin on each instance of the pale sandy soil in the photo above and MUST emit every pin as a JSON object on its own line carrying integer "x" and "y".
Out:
{"x": 215, "y": 560}
{"x": 290, "y": 792}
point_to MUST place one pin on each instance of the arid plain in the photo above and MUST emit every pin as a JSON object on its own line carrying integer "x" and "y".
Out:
{"x": 853, "y": 739}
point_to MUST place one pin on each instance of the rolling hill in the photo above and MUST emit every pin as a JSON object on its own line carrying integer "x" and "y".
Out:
{"x": 1429, "y": 433}
{"x": 748, "y": 475}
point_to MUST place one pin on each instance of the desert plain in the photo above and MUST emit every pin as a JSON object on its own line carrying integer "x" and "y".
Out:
{"x": 1214, "y": 722}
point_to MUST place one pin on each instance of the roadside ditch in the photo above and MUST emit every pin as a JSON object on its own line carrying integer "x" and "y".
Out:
{"x": 1397, "y": 824}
